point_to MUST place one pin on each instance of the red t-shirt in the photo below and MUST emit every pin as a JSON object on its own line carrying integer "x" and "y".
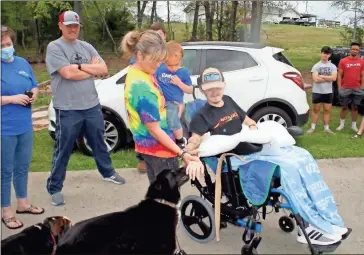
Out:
{"x": 352, "y": 68}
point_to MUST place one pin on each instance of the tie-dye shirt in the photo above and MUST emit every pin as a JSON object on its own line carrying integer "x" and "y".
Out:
{"x": 145, "y": 103}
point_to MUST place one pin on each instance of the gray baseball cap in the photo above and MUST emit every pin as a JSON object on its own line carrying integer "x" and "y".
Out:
{"x": 69, "y": 17}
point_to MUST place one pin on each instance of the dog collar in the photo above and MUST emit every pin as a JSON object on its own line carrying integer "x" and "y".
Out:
{"x": 162, "y": 201}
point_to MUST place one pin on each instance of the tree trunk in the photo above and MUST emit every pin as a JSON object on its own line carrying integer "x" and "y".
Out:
{"x": 256, "y": 22}
{"x": 140, "y": 13}
{"x": 220, "y": 22}
{"x": 169, "y": 23}
{"x": 234, "y": 9}
{"x": 195, "y": 22}
{"x": 153, "y": 14}
{"x": 38, "y": 41}
{"x": 77, "y": 7}
{"x": 23, "y": 39}
{"x": 208, "y": 20}
{"x": 106, "y": 26}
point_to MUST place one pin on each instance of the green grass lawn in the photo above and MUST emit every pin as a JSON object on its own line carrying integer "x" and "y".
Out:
{"x": 319, "y": 144}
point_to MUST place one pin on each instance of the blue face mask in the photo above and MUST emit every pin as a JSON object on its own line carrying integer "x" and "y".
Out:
{"x": 7, "y": 53}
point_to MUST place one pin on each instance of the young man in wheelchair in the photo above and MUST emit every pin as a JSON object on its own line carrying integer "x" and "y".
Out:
{"x": 222, "y": 116}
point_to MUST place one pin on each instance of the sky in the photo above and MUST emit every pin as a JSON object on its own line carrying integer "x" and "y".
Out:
{"x": 320, "y": 8}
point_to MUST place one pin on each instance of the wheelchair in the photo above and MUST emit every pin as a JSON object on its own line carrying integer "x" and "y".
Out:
{"x": 237, "y": 211}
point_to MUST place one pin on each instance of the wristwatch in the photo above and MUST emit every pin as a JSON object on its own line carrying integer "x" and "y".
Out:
{"x": 79, "y": 66}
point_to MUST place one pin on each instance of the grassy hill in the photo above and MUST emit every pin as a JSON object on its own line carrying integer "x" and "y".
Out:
{"x": 302, "y": 44}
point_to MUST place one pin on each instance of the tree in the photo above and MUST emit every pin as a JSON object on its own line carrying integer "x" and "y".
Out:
{"x": 352, "y": 6}
{"x": 195, "y": 21}
{"x": 140, "y": 13}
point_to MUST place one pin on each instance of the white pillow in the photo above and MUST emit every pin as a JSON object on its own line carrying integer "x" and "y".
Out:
{"x": 280, "y": 134}
{"x": 217, "y": 144}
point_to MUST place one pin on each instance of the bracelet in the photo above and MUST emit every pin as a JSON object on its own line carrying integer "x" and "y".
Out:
{"x": 183, "y": 153}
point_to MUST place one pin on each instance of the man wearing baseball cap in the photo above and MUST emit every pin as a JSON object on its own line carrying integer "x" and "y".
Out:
{"x": 72, "y": 63}
{"x": 220, "y": 115}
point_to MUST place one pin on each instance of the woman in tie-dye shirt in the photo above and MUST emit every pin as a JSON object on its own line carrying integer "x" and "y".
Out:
{"x": 145, "y": 104}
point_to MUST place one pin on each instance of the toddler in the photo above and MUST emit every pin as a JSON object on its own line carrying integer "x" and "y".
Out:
{"x": 174, "y": 81}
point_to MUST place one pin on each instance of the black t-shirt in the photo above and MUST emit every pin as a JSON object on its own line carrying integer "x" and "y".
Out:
{"x": 225, "y": 120}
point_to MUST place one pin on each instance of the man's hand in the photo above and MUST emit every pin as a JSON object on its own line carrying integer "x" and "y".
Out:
{"x": 176, "y": 80}
{"x": 20, "y": 99}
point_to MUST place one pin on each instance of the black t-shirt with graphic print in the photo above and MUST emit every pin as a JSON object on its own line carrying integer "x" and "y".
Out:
{"x": 225, "y": 120}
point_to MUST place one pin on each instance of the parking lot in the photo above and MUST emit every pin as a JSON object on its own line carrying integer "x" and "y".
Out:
{"x": 86, "y": 196}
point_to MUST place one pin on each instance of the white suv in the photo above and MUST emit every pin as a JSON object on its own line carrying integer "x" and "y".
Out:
{"x": 259, "y": 78}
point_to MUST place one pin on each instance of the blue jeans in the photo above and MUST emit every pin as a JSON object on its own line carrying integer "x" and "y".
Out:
{"x": 173, "y": 121}
{"x": 16, "y": 155}
{"x": 71, "y": 124}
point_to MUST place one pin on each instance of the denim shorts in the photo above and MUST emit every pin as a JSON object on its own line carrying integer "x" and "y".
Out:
{"x": 173, "y": 120}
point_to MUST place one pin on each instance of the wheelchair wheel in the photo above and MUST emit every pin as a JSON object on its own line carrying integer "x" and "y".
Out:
{"x": 245, "y": 250}
{"x": 286, "y": 224}
{"x": 199, "y": 223}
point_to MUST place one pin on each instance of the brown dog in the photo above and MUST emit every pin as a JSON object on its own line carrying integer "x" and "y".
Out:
{"x": 40, "y": 238}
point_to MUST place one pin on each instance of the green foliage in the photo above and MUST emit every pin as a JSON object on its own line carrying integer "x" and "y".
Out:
{"x": 347, "y": 35}
{"x": 201, "y": 31}
{"x": 186, "y": 32}
{"x": 119, "y": 23}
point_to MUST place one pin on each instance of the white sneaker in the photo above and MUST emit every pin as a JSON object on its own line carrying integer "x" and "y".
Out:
{"x": 317, "y": 237}
{"x": 339, "y": 230}
{"x": 355, "y": 129}
{"x": 339, "y": 128}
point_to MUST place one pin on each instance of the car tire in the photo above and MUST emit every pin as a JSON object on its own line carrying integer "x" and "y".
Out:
{"x": 113, "y": 127}
{"x": 272, "y": 113}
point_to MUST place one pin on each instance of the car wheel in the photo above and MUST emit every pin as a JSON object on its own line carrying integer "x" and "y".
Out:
{"x": 114, "y": 135}
{"x": 272, "y": 113}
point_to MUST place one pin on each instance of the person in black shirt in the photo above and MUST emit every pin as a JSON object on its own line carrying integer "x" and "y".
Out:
{"x": 220, "y": 115}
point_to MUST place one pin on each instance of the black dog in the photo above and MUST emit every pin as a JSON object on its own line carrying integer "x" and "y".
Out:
{"x": 38, "y": 239}
{"x": 146, "y": 228}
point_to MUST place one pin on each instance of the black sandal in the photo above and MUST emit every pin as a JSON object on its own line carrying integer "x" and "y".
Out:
{"x": 12, "y": 219}
{"x": 30, "y": 210}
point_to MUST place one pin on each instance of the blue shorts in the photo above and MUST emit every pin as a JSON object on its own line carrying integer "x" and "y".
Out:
{"x": 173, "y": 120}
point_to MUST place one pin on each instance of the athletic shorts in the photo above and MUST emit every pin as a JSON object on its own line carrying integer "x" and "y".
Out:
{"x": 351, "y": 96}
{"x": 322, "y": 98}
{"x": 156, "y": 165}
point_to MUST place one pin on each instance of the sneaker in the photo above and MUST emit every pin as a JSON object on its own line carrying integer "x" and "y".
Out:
{"x": 339, "y": 128}
{"x": 310, "y": 131}
{"x": 356, "y": 136}
{"x": 355, "y": 129}
{"x": 57, "y": 199}
{"x": 317, "y": 237}
{"x": 339, "y": 230}
{"x": 329, "y": 131}
{"x": 115, "y": 178}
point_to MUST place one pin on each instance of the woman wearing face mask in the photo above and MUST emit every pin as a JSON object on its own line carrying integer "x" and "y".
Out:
{"x": 17, "y": 79}
{"x": 145, "y": 104}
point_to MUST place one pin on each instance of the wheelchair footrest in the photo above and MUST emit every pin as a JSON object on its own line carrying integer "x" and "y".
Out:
{"x": 320, "y": 249}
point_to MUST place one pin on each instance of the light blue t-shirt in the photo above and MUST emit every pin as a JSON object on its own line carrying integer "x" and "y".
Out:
{"x": 170, "y": 91}
{"x": 16, "y": 78}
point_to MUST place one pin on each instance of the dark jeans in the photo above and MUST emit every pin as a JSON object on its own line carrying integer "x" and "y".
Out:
{"x": 16, "y": 155}
{"x": 70, "y": 125}
{"x": 156, "y": 165}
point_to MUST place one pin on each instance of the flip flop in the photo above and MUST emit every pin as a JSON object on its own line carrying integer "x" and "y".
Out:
{"x": 12, "y": 219}
{"x": 29, "y": 210}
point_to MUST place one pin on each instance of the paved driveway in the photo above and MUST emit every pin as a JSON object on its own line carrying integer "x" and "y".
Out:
{"x": 87, "y": 196}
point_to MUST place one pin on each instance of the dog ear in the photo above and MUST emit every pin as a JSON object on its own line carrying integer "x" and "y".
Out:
{"x": 58, "y": 225}
{"x": 67, "y": 224}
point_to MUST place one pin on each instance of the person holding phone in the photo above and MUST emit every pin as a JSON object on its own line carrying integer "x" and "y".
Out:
{"x": 19, "y": 90}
